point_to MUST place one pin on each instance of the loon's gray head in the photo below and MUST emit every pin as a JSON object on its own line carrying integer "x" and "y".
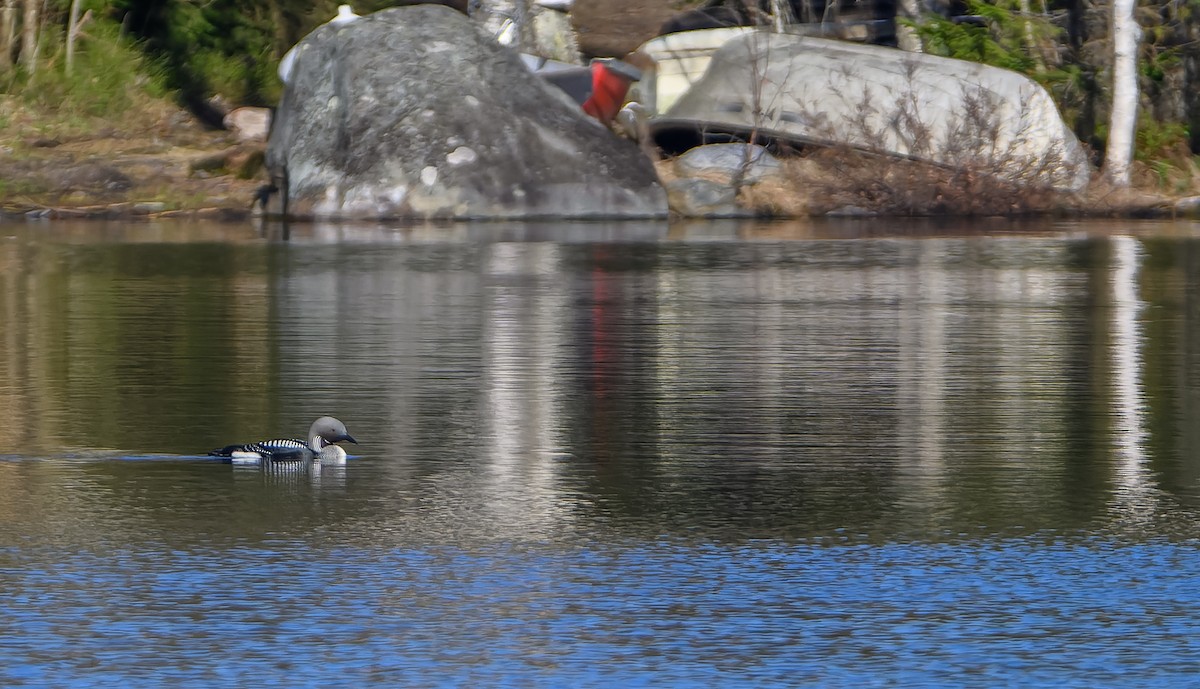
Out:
{"x": 327, "y": 431}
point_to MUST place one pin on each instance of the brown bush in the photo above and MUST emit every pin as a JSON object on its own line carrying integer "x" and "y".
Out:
{"x": 834, "y": 179}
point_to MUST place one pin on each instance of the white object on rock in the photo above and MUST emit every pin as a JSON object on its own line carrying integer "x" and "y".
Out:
{"x": 461, "y": 156}
{"x": 634, "y": 121}
{"x": 345, "y": 14}
{"x": 429, "y": 175}
{"x": 507, "y": 34}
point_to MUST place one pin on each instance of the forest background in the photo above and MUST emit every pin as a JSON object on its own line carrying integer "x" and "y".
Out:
{"x": 76, "y": 64}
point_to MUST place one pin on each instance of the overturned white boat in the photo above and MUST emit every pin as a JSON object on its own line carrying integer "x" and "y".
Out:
{"x": 810, "y": 91}
{"x": 680, "y": 61}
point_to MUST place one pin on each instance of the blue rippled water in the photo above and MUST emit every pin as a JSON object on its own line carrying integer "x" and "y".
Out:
{"x": 732, "y": 456}
{"x": 1057, "y": 613}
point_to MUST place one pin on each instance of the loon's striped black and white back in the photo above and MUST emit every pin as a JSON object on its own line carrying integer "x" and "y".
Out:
{"x": 277, "y": 449}
{"x": 324, "y": 433}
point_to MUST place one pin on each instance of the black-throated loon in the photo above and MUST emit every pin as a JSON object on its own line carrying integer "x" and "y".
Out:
{"x": 322, "y": 436}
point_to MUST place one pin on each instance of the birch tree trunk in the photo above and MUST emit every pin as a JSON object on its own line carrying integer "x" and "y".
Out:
{"x": 29, "y": 33}
{"x": 781, "y": 15}
{"x": 1118, "y": 155}
{"x": 8, "y": 27}
{"x": 72, "y": 34}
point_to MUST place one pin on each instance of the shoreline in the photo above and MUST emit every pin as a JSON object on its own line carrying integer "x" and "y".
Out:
{"x": 179, "y": 170}
{"x": 1145, "y": 207}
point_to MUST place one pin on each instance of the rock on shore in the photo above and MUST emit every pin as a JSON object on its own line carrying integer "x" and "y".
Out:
{"x": 415, "y": 112}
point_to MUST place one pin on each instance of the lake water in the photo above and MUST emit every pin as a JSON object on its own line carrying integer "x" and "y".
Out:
{"x": 858, "y": 454}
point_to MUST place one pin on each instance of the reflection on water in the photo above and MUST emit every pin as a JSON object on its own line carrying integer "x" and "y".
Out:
{"x": 1133, "y": 497}
{"x": 836, "y": 454}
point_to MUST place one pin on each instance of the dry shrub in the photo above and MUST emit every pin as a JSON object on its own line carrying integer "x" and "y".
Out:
{"x": 790, "y": 194}
{"x": 1104, "y": 199}
{"x": 665, "y": 168}
{"x": 841, "y": 178}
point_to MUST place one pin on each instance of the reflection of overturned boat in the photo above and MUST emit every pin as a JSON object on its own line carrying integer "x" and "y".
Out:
{"x": 802, "y": 91}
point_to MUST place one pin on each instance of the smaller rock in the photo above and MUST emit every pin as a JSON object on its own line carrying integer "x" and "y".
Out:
{"x": 149, "y": 207}
{"x": 1188, "y": 205}
{"x": 702, "y": 198}
{"x": 723, "y": 162}
{"x": 249, "y": 124}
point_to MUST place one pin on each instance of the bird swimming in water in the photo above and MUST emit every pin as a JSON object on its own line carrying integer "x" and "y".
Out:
{"x": 321, "y": 445}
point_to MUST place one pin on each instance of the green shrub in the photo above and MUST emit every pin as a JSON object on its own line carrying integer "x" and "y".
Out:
{"x": 110, "y": 75}
{"x": 1159, "y": 140}
{"x": 1000, "y": 42}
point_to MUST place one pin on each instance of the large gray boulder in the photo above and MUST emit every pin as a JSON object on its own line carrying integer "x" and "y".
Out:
{"x": 415, "y": 112}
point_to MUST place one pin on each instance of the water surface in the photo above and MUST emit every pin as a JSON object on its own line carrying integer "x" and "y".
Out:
{"x": 836, "y": 455}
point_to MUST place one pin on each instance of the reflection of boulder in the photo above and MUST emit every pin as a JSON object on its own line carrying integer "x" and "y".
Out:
{"x": 415, "y": 112}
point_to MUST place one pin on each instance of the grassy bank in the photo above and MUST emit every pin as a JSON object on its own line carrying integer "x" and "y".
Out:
{"x": 105, "y": 135}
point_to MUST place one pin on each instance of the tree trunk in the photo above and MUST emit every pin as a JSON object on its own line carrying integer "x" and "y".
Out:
{"x": 72, "y": 34}
{"x": 281, "y": 44}
{"x": 781, "y": 15}
{"x": 906, "y": 36}
{"x": 1076, "y": 26}
{"x": 1030, "y": 40}
{"x": 29, "y": 35}
{"x": 1122, "y": 126}
{"x": 8, "y": 27}
{"x": 1191, "y": 80}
